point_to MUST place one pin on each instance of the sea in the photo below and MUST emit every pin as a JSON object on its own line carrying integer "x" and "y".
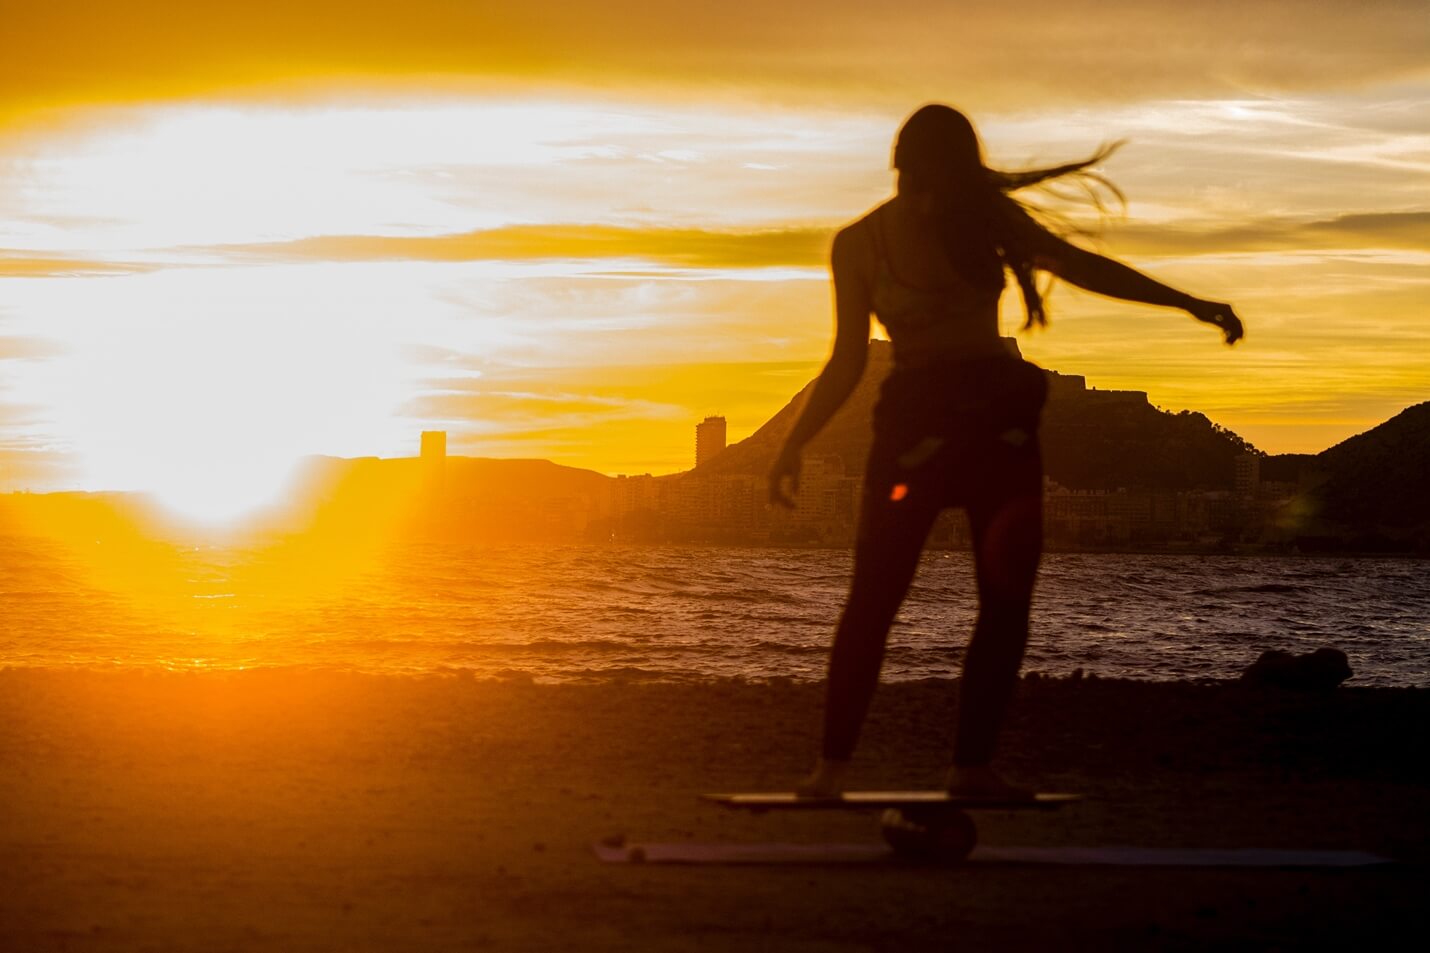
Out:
{"x": 560, "y": 613}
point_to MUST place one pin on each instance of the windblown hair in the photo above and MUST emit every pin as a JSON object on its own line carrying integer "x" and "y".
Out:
{"x": 938, "y": 151}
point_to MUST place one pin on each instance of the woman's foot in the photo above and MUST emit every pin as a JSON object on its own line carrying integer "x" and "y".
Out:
{"x": 981, "y": 781}
{"x": 826, "y": 781}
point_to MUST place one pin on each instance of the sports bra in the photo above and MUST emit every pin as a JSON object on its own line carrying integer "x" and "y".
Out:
{"x": 906, "y": 309}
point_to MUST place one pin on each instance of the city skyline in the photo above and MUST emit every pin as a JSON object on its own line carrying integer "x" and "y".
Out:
{"x": 432, "y": 445}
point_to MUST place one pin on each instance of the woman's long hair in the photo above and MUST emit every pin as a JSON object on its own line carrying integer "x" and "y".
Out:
{"x": 938, "y": 151}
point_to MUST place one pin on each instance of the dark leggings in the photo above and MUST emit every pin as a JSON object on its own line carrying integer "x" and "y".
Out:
{"x": 1007, "y": 524}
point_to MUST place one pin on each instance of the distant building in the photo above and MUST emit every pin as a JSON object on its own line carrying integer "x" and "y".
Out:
{"x": 434, "y": 445}
{"x": 709, "y": 439}
{"x": 1065, "y": 385}
{"x": 635, "y": 494}
{"x": 1248, "y": 474}
{"x": 434, "y": 457}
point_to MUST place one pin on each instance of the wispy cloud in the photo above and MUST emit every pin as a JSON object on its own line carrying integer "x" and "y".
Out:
{"x": 39, "y": 467}
{"x": 692, "y": 248}
{"x": 1408, "y": 231}
{"x": 29, "y": 267}
{"x": 684, "y": 247}
{"x": 808, "y": 247}
{"x": 18, "y": 348}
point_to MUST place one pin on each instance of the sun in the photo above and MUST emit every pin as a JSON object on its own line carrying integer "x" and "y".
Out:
{"x": 205, "y": 387}
{"x": 222, "y": 493}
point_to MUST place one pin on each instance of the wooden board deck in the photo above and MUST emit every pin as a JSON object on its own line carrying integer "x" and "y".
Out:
{"x": 873, "y": 800}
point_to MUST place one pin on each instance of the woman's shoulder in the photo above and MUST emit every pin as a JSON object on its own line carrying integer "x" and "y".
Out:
{"x": 858, "y": 237}
{"x": 866, "y": 223}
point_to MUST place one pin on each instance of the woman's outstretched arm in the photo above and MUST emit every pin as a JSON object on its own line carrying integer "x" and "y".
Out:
{"x": 1110, "y": 277}
{"x": 852, "y": 305}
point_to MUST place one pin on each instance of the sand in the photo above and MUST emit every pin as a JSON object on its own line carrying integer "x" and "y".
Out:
{"x": 272, "y": 811}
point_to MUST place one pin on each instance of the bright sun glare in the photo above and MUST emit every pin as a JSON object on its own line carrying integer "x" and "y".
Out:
{"x": 205, "y": 380}
{"x": 220, "y": 494}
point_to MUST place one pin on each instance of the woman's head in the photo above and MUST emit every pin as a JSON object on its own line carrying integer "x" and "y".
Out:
{"x": 937, "y": 151}
{"x": 940, "y": 159}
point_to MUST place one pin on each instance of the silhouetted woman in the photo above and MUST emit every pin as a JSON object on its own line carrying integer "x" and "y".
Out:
{"x": 957, "y": 418}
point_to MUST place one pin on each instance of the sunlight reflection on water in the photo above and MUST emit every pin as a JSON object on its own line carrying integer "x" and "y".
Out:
{"x": 561, "y": 612}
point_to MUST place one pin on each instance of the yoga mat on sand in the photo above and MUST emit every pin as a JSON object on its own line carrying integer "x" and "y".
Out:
{"x": 776, "y": 853}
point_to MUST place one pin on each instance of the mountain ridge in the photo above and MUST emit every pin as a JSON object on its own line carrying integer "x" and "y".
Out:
{"x": 1366, "y": 487}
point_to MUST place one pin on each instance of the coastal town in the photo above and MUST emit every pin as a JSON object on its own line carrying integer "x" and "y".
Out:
{"x": 1247, "y": 500}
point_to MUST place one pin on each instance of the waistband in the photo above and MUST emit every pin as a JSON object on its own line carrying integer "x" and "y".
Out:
{"x": 979, "y": 392}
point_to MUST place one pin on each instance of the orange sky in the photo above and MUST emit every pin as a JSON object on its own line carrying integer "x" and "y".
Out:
{"x": 233, "y": 234}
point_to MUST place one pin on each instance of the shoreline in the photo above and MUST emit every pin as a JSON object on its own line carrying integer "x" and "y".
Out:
{"x": 250, "y": 540}
{"x": 1248, "y": 550}
{"x": 623, "y": 677}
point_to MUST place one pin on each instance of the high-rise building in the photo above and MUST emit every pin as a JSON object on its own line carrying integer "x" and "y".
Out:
{"x": 1247, "y": 473}
{"x": 709, "y": 439}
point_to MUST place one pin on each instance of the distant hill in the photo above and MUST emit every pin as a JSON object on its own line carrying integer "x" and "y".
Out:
{"x": 1092, "y": 439}
{"x": 473, "y": 497}
{"x": 87, "y": 516}
{"x": 1372, "y": 483}
{"x": 488, "y": 476}
{"x": 485, "y": 476}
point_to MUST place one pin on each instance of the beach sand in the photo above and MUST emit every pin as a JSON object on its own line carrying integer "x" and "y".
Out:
{"x": 280, "y": 811}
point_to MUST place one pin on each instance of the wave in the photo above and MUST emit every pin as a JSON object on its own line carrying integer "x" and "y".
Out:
{"x": 1271, "y": 588}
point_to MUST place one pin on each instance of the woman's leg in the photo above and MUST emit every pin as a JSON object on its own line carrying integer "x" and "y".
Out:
{"x": 894, "y": 522}
{"x": 1007, "y": 545}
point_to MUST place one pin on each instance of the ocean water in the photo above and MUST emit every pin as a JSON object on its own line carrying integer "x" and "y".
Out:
{"x": 575, "y": 612}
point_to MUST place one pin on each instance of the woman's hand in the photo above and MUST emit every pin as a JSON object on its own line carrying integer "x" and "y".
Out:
{"x": 786, "y": 469}
{"x": 1220, "y": 315}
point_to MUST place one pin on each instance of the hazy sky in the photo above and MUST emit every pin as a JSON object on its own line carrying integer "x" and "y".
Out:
{"x": 233, "y": 234}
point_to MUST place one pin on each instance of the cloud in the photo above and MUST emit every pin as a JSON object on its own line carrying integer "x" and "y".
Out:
{"x": 1409, "y": 230}
{"x": 18, "y": 267}
{"x": 686, "y": 247}
{"x": 797, "y": 247}
{"x": 526, "y": 412}
{"x": 14, "y": 348}
{"x": 28, "y": 458}
{"x": 33, "y": 469}
{"x": 984, "y": 55}
{"x": 18, "y": 415}
{"x": 1406, "y": 231}
{"x": 808, "y": 247}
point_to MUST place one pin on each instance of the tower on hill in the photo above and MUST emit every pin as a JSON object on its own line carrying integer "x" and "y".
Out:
{"x": 434, "y": 445}
{"x": 434, "y": 457}
{"x": 709, "y": 439}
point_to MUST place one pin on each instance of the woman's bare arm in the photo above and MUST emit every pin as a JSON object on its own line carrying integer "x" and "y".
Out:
{"x": 1110, "y": 277}
{"x": 852, "y": 306}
